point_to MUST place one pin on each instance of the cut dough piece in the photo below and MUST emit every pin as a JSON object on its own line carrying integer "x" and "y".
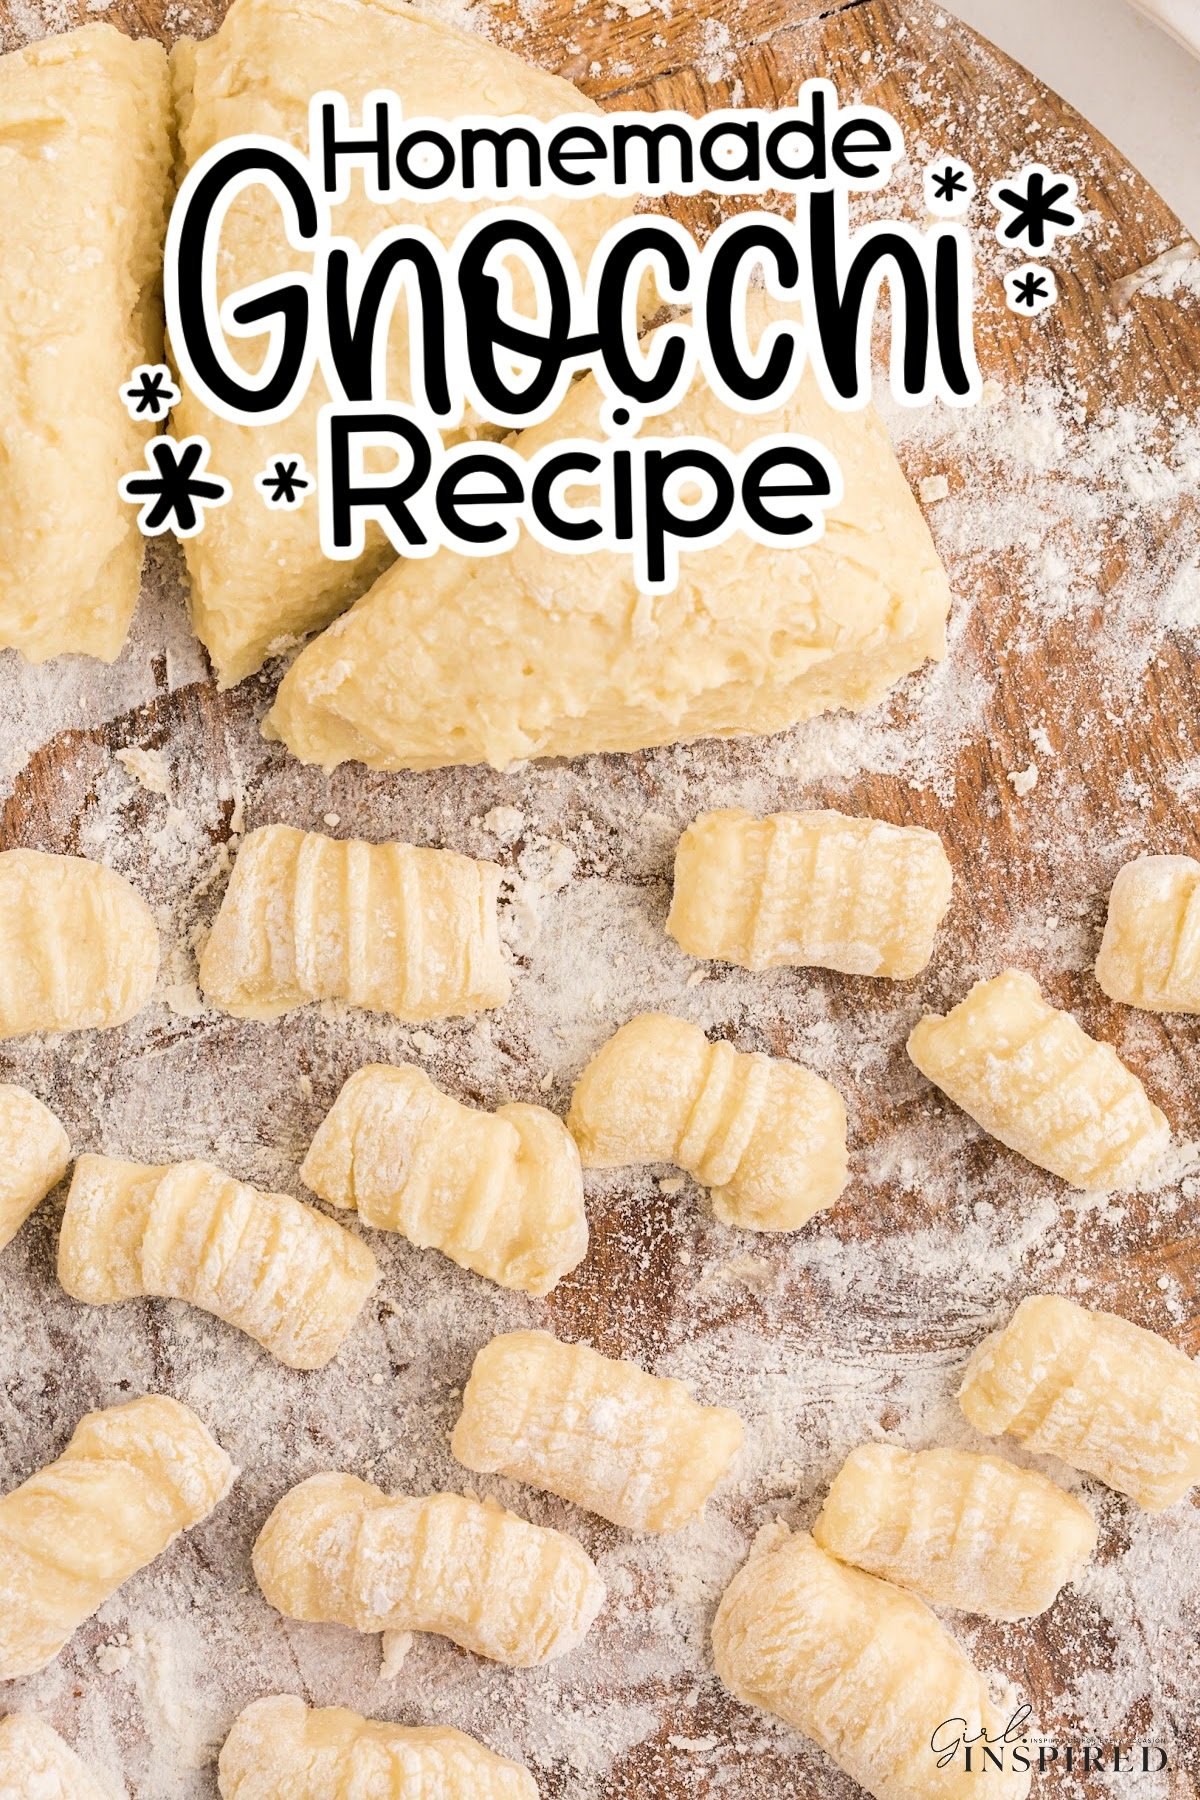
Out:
{"x": 34, "y": 1153}
{"x": 85, "y": 165}
{"x": 130, "y": 1480}
{"x": 384, "y": 926}
{"x": 80, "y": 945}
{"x": 259, "y": 578}
{"x": 862, "y": 1668}
{"x": 1033, "y": 1078}
{"x": 768, "y": 1137}
{"x": 290, "y": 1278}
{"x": 500, "y": 1193}
{"x": 1104, "y": 1395}
{"x": 338, "y": 1550}
{"x": 35, "y": 1764}
{"x": 633, "y": 1447}
{"x": 972, "y": 1532}
{"x": 279, "y": 1750}
{"x": 1150, "y": 955}
{"x": 816, "y": 890}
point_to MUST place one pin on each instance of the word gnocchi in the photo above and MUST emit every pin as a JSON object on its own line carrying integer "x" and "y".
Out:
{"x": 767, "y": 1137}
{"x": 34, "y": 1153}
{"x": 281, "y": 1272}
{"x": 500, "y": 1193}
{"x": 35, "y": 1764}
{"x": 1104, "y": 1395}
{"x": 1034, "y": 1079}
{"x": 967, "y": 1531}
{"x": 338, "y": 1550}
{"x": 80, "y": 945}
{"x": 1150, "y": 953}
{"x": 130, "y": 1480}
{"x": 633, "y": 1447}
{"x": 387, "y": 927}
{"x": 815, "y": 890}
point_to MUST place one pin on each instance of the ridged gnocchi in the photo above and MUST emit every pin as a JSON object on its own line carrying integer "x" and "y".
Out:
{"x": 633, "y": 1447}
{"x": 36, "y": 1764}
{"x": 34, "y": 1153}
{"x": 768, "y": 1137}
{"x": 343, "y": 1552}
{"x": 388, "y": 927}
{"x": 810, "y": 890}
{"x": 962, "y": 1530}
{"x": 1033, "y": 1078}
{"x": 500, "y": 1193}
{"x": 80, "y": 945}
{"x": 1150, "y": 953}
{"x": 1104, "y": 1395}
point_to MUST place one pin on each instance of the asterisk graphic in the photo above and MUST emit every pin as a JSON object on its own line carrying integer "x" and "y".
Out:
{"x": 949, "y": 186}
{"x": 1038, "y": 208}
{"x": 175, "y": 495}
{"x": 1030, "y": 289}
{"x": 150, "y": 393}
{"x": 284, "y": 482}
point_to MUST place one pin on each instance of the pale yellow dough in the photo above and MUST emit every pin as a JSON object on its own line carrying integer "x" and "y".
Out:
{"x": 1150, "y": 954}
{"x": 282, "y": 1272}
{"x": 861, "y": 1667}
{"x": 34, "y": 1153}
{"x": 388, "y": 927}
{"x": 767, "y": 1136}
{"x": 810, "y": 890}
{"x": 1106, "y": 1396}
{"x": 633, "y": 1447}
{"x": 85, "y": 162}
{"x": 962, "y": 1530}
{"x": 500, "y": 1193}
{"x": 36, "y": 1764}
{"x": 80, "y": 945}
{"x": 1034, "y": 1079}
{"x": 280, "y": 1750}
{"x": 341, "y": 1551}
{"x": 130, "y": 1480}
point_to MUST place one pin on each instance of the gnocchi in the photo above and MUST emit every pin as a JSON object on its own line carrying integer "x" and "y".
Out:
{"x": 35, "y": 1764}
{"x": 500, "y": 1193}
{"x": 130, "y": 1480}
{"x": 810, "y": 890}
{"x": 34, "y": 1153}
{"x": 1034, "y": 1079}
{"x": 338, "y": 1550}
{"x": 1150, "y": 953}
{"x": 388, "y": 927}
{"x": 1104, "y": 1395}
{"x": 633, "y": 1447}
{"x": 768, "y": 1137}
{"x": 281, "y": 1272}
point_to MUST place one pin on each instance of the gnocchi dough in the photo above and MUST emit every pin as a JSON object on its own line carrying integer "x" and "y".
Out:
{"x": 809, "y": 890}
{"x": 338, "y": 1550}
{"x": 633, "y": 1447}
{"x": 1150, "y": 954}
{"x": 768, "y": 1137}
{"x": 859, "y": 1666}
{"x": 1034, "y": 1079}
{"x": 1104, "y": 1395}
{"x": 290, "y": 1278}
{"x": 967, "y": 1531}
{"x": 85, "y": 167}
{"x": 387, "y": 927}
{"x": 34, "y": 1153}
{"x": 279, "y": 1750}
{"x": 80, "y": 944}
{"x": 500, "y": 1193}
{"x": 130, "y": 1480}
{"x": 35, "y": 1764}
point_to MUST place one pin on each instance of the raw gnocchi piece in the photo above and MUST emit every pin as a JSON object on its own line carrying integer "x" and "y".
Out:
{"x": 80, "y": 945}
{"x": 130, "y": 1480}
{"x": 36, "y": 1764}
{"x": 279, "y": 1750}
{"x": 1150, "y": 953}
{"x": 388, "y": 927}
{"x": 1034, "y": 1079}
{"x": 500, "y": 1193}
{"x": 810, "y": 890}
{"x": 768, "y": 1137}
{"x": 340, "y": 1551}
{"x": 633, "y": 1447}
{"x": 859, "y": 1666}
{"x": 34, "y": 1153}
{"x": 290, "y": 1278}
{"x": 962, "y": 1530}
{"x": 1104, "y": 1395}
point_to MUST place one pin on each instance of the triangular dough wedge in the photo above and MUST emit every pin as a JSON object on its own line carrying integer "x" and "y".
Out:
{"x": 259, "y": 578}
{"x": 85, "y": 163}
